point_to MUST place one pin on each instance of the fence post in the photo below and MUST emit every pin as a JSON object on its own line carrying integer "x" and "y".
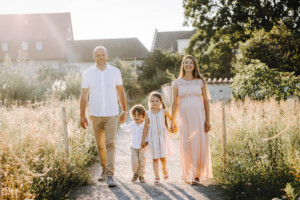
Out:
{"x": 223, "y": 133}
{"x": 65, "y": 127}
{"x": 0, "y": 184}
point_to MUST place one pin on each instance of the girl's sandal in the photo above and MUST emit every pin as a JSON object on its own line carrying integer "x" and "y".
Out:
{"x": 157, "y": 180}
{"x": 165, "y": 176}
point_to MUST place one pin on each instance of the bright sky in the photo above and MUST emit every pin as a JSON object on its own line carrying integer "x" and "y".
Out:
{"x": 100, "y": 19}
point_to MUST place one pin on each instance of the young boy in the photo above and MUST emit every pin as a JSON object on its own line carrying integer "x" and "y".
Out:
{"x": 138, "y": 157}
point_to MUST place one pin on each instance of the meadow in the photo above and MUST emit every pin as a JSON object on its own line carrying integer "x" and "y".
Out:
{"x": 34, "y": 166}
{"x": 33, "y": 162}
{"x": 262, "y": 151}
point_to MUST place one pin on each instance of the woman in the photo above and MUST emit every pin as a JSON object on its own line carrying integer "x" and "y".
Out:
{"x": 190, "y": 96}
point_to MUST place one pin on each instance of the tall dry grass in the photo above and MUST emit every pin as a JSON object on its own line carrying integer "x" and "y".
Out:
{"x": 31, "y": 145}
{"x": 255, "y": 168}
{"x": 34, "y": 137}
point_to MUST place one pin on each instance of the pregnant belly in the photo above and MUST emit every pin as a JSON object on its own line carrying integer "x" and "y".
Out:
{"x": 190, "y": 102}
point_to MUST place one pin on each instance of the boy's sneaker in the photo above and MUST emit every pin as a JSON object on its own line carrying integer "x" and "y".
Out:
{"x": 141, "y": 178}
{"x": 135, "y": 177}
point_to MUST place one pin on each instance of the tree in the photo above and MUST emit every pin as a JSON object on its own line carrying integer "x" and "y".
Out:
{"x": 239, "y": 18}
{"x": 278, "y": 49}
{"x": 258, "y": 82}
{"x": 158, "y": 69}
{"x": 224, "y": 23}
{"x": 129, "y": 76}
{"x": 215, "y": 62}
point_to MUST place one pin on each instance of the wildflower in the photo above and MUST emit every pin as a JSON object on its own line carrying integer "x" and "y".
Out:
{"x": 5, "y": 86}
{"x": 263, "y": 157}
{"x": 249, "y": 184}
{"x": 258, "y": 189}
{"x": 59, "y": 86}
{"x": 243, "y": 193}
{"x": 42, "y": 178}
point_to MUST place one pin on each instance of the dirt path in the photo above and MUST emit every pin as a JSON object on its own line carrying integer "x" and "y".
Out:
{"x": 173, "y": 188}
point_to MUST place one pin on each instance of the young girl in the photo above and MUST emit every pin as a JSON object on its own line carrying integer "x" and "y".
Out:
{"x": 156, "y": 131}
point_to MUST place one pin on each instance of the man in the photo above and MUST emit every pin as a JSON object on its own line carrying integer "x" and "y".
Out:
{"x": 102, "y": 85}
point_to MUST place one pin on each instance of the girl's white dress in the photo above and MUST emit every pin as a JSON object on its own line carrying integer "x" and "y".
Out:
{"x": 159, "y": 140}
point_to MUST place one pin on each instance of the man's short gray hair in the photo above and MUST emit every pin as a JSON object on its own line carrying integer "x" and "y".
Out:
{"x": 100, "y": 47}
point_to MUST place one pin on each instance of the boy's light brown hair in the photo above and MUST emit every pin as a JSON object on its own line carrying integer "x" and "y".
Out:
{"x": 139, "y": 108}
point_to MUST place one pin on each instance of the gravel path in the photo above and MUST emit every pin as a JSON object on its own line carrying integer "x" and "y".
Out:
{"x": 172, "y": 188}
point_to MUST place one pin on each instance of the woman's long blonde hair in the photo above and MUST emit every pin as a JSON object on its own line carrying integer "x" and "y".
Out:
{"x": 196, "y": 71}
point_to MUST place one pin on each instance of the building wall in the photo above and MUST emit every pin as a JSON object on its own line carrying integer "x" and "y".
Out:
{"x": 217, "y": 92}
{"x": 182, "y": 45}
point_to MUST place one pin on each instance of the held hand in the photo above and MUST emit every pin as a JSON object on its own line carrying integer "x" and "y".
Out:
{"x": 83, "y": 122}
{"x": 206, "y": 126}
{"x": 122, "y": 117}
{"x": 173, "y": 127}
{"x": 143, "y": 144}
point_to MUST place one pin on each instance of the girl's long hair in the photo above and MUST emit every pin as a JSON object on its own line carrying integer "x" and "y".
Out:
{"x": 158, "y": 95}
{"x": 196, "y": 70}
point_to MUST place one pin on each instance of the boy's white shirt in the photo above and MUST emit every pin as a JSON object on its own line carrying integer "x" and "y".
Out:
{"x": 137, "y": 133}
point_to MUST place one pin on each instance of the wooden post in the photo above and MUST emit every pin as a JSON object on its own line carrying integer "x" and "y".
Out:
{"x": 223, "y": 133}
{"x": 66, "y": 141}
{"x": 0, "y": 184}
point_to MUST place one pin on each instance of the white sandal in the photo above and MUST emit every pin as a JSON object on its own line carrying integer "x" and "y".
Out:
{"x": 165, "y": 176}
{"x": 156, "y": 180}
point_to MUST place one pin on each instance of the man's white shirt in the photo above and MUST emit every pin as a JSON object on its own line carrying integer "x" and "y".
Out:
{"x": 103, "y": 98}
{"x": 137, "y": 133}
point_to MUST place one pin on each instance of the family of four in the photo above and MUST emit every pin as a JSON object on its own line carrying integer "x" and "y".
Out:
{"x": 102, "y": 87}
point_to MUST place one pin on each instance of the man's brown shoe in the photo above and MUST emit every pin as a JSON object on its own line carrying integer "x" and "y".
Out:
{"x": 103, "y": 176}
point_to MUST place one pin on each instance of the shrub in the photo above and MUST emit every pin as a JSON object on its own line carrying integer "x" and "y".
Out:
{"x": 130, "y": 77}
{"x": 258, "y": 82}
{"x": 155, "y": 69}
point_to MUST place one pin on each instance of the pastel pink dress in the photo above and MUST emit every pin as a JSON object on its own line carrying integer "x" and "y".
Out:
{"x": 193, "y": 141}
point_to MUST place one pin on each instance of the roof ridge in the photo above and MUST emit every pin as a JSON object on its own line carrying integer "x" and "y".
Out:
{"x": 52, "y": 13}
{"x": 107, "y": 39}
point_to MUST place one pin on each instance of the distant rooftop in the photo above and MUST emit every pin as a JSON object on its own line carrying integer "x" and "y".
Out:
{"x": 123, "y": 48}
{"x": 168, "y": 40}
{"x": 52, "y": 29}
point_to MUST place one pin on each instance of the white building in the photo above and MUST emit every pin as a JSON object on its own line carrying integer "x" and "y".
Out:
{"x": 174, "y": 41}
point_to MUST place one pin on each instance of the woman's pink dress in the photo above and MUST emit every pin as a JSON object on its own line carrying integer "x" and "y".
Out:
{"x": 194, "y": 142}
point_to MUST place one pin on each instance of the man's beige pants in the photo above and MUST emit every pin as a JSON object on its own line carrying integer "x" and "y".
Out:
{"x": 138, "y": 160}
{"x": 105, "y": 129}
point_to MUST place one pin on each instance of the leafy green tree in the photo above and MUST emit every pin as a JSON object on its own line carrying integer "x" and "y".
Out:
{"x": 159, "y": 68}
{"x": 215, "y": 62}
{"x": 238, "y": 18}
{"x": 257, "y": 81}
{"x": 221, "y": 24}
{"x": 278, "y": 49}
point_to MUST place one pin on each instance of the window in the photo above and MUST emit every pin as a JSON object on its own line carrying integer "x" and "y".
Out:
{"x": 39, "y": 45}
{"x": 4, "y": 46}
{"x": 24, "y": 46}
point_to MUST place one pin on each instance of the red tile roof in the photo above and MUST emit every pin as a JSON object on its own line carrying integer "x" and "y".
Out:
{"x": 123, "y": 48}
